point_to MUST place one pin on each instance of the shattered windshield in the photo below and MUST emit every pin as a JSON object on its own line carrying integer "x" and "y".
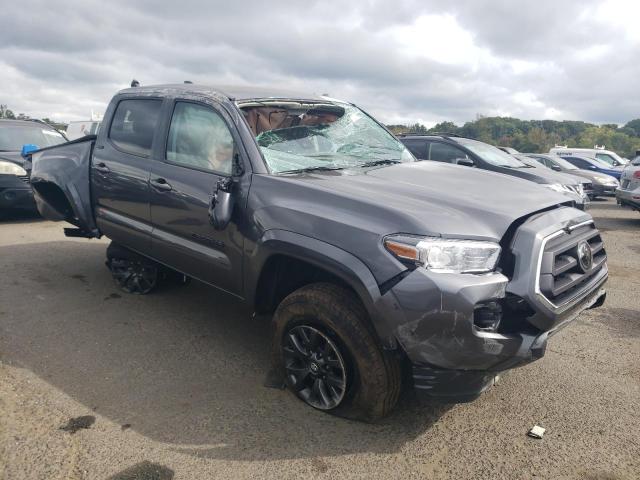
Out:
{"x": 297, "y": 136}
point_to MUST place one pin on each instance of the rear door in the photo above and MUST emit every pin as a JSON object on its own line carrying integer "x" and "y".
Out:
{"x": 201, "y": 143}
{"x": 120, "y": 171}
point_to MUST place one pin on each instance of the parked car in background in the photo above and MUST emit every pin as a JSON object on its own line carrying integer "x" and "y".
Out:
{"x": 629, "y": 192}
{"x": 15, "y": 191}
{"x": 607, "y": 156}
{"x": 78, "y": 129}
{"x": 601, "y": 183}
{"x": 594, "y": 165}
{"x": 307, "y": 209}
{"x": 466, "y": 151}
{"x": 581, "y": 185}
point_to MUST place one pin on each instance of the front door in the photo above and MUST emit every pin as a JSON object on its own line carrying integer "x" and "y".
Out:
{"x": 200, "y": 151}
{"x": 120, "y": 168}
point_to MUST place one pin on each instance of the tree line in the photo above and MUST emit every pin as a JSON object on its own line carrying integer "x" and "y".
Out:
{"x": 538, "y": 136}
{"x": 7, "y": 113}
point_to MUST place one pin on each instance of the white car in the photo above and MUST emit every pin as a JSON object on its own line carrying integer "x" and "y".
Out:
{"x": 629, "y": 191}
{"x": 607, "y": 156}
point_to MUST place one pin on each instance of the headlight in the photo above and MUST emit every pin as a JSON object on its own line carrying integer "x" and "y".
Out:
{"x": 445, "y": 255}
{"x": 557, "y": 187}
{"x": 9, "y": 168}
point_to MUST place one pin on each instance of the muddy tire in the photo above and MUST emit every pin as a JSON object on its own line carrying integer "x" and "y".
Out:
{"x": 132, "y": 272}
{"x": 326, "y": 349}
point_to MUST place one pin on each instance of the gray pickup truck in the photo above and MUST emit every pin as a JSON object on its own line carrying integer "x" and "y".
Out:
{"x": 375, "y": 270}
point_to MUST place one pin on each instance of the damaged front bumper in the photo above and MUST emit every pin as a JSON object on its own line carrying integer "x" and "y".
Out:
{"x": 459, "y": 331}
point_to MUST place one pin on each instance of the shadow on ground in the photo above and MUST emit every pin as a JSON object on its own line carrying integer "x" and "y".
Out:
{"x": 184, "y": 366}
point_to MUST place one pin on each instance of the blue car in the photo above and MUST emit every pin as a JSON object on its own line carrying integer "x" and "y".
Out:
{"x": 594, "y": 165}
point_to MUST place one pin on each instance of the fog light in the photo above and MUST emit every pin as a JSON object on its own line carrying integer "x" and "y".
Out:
{"x": 487, "y": 316}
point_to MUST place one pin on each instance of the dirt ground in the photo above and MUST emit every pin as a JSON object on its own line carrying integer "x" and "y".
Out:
{"x": 170, "y": 385}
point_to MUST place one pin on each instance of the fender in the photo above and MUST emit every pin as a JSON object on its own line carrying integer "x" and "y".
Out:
{"x": 338, "y": 262}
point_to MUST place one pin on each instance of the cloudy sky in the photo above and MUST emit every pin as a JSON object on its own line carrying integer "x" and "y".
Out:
{"x": 423, "y": 61}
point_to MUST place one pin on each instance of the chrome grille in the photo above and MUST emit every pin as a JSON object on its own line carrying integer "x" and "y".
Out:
{"x": 564, "y": 272}
{"x": 24, "y": 178}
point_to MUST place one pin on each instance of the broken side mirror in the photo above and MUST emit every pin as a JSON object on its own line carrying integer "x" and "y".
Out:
{"x": 222, "y": 203}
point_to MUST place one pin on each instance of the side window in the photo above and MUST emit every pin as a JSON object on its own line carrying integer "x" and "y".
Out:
{"x": 546, "y": 162}
{"x": 443, "y": 152}
{"x": 134, "y": 124}
{"x": 199, "y": 138}
{"x": 606, "y": 158}
{"x": 417, "y": 147}
{"x": 578, "y": 162}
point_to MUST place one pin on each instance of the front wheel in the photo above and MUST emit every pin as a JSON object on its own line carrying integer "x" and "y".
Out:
{"x": 132, "y": 272}
{"x": 329, "y": 356}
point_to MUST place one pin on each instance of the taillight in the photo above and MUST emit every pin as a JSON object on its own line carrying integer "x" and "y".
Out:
{"x": 636, "y": 174}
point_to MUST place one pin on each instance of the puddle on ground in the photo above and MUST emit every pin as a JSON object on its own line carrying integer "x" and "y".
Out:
{"x": 77, "y": 423}
{"x": 144, "y": 471}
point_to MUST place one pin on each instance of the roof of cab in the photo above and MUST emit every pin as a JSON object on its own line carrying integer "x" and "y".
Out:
{"x": 232, "y": 92}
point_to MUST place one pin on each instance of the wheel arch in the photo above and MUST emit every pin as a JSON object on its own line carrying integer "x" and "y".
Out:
{"x": 279, "y": 249}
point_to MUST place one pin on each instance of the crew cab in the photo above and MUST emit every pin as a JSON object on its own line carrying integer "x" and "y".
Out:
{"x": 371, "y": 266}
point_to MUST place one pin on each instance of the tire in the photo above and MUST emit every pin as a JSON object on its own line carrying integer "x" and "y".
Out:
{"x": 132, "y": 272}
{"x": 372, "y": 379}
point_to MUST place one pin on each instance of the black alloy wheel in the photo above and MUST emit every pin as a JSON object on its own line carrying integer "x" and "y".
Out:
{"x": 133, "y": 276}
{"x": 315, "y": 368}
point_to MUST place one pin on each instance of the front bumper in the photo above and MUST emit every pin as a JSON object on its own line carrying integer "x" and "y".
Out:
{"x": 455, "y": 359}
{"x": 601, "y": 189}
{"x": 16, "y": 193}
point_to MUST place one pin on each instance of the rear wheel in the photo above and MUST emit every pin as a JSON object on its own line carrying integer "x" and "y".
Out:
{"x": 329, "y": 356}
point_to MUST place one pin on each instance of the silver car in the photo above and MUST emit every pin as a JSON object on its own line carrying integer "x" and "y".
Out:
{"x": 628, "y": 194}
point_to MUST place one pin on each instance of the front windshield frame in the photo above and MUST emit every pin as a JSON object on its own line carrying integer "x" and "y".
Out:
{"x": 490, "y": 154}
{"x": 37, "y": 136}
{"x": 353, "y": 140}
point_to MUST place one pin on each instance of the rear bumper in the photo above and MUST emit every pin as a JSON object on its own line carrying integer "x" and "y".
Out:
{"x": 630, "y": 198}
{"x": 15, "y": 194}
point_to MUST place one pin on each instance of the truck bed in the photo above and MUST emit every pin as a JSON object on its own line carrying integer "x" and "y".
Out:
{"x": 61, "y": 183}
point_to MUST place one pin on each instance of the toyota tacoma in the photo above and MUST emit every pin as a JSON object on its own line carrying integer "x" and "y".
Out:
{"x": 374, "y": 269}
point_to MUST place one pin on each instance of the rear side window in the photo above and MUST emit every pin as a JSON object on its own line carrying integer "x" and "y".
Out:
{"x": 199, "y": 138}
{"x": 134, "y": 124}
{"x": 443, "y": 152}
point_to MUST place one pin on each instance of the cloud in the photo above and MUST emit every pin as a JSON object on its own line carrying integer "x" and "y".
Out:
{"x": 402, "y": 61}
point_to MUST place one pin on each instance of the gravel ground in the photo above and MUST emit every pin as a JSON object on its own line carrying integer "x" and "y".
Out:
{"x": 170, "y": 385}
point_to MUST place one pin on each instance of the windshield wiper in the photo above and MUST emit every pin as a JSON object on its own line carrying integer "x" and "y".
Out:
{"x": 379, "y": 162}
{"x": 319, "y": 168}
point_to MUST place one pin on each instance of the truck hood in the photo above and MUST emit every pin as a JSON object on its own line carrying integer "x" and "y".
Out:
{"x": 13, "y": 157}
{"x": 423, "y": 198}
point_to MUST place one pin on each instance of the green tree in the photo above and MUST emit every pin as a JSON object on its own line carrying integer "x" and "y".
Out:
{"x": 6, "y": 113}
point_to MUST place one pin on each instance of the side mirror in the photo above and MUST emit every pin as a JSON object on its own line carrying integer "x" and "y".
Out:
{"x": 593, "y": 167}
{"x": 556, "y": 168}
{"x": 27, "y": 148}
{"x": 467, "y": 162}
{"x": 222, "y": 203}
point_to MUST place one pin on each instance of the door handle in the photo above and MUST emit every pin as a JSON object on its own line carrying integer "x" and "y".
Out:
{"x": 161, "y": 184}
{"x": 102, "y": 168}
